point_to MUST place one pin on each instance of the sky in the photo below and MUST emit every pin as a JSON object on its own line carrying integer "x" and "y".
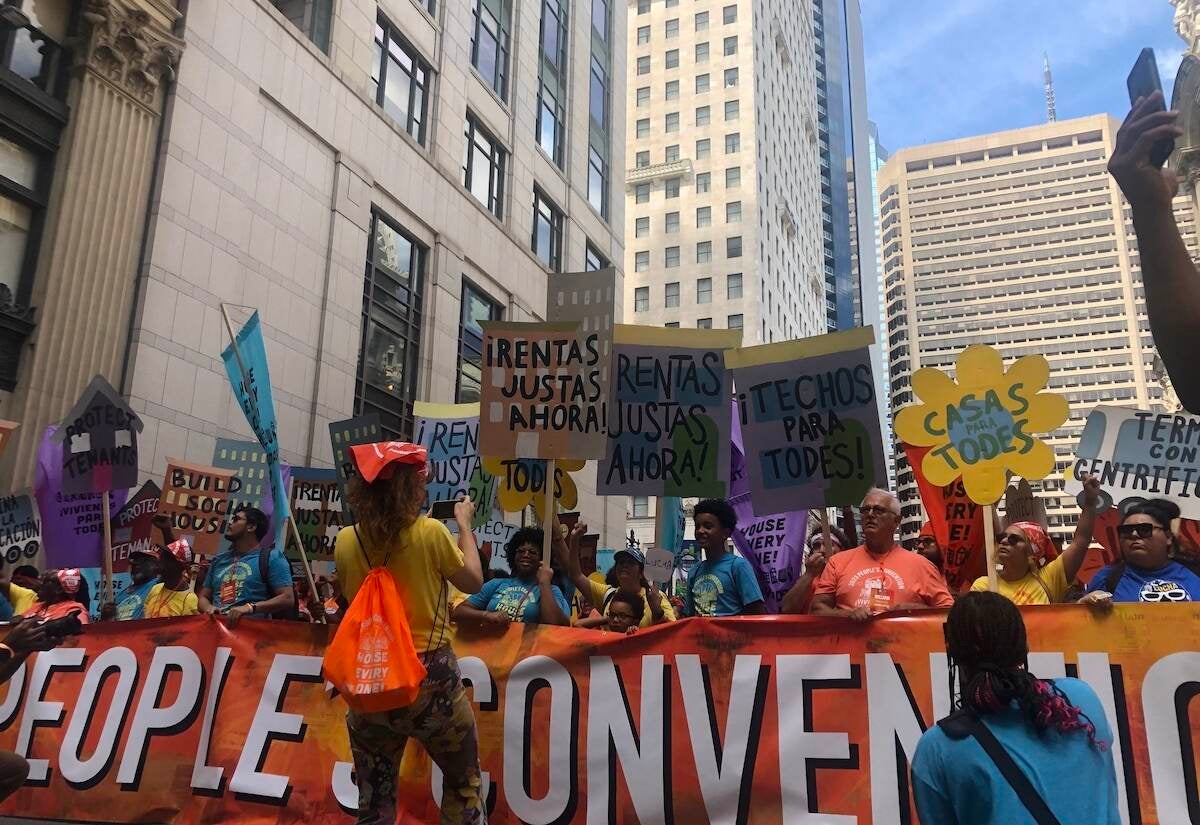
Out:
{"x": 944, "y": 69}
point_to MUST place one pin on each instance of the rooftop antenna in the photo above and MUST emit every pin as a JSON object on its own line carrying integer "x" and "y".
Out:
{"x": 1051, "y": 113}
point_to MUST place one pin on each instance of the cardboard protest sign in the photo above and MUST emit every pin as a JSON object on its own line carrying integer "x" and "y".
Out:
{"x": 99, "y": 442}
{"x": 198, "y": 500}
{"x": 809, "y": 421}
{"x": 668, "y": 413}
{"x": 542, "y": 393}
{"x": 957, "y": 523}
{"x": 317, "y": 510}
{"x": 521, "y": 482}
{"x": 660, "y": 565}
{"x": 346, "y": 434}
{"x": 6, "y": 430}
{"x": 251, "y": 466}
{"x": 670, "y": 525}
{"x": 132, "y": 526}
{"x": 72, "y": 525}
{"x": 982, "y": 426}
{"x": 246, "y": 364}
{"x": 450, "y": 434}
{"x": 20, "y": 529}
{"x": 491, "y": 536}
{"x": 1138, "y": 455}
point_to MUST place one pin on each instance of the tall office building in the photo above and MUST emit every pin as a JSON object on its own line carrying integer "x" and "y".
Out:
{"x": 375, "y": 178}
{"x": 723, "y": 204}
{"x": 1020, "y": 240}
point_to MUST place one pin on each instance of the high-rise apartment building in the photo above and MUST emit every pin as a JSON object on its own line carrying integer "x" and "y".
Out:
{"x": 1020, "y": 240}
{"x": 376, "y": 178}
{"x": 723, "y": 209}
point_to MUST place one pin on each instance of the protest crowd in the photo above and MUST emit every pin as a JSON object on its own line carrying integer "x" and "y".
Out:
{"x": 395, "y": 561}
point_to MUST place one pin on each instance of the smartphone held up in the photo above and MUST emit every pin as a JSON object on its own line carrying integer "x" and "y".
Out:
{"x": 1144, "y": 81}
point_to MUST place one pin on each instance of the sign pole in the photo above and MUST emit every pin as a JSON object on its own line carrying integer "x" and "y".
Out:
{"x": 989, "y": 533}
{"x": 312, "y": 585}
{"x": 548, "y": 514}
{"x": 108, "y": 595}
{"x": 826, "y": 539}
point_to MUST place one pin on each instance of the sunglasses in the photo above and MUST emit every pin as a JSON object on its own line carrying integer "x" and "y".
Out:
{"x": 1142, "y": 531}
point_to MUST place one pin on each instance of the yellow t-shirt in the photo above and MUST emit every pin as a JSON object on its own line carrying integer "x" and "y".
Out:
{"x": 423, "y": 557}
{"x": 1028, "y": 590}
{"x": 22, "y": 598}
{"x": 600, "y": 590}
{"x": 162, "y": 603}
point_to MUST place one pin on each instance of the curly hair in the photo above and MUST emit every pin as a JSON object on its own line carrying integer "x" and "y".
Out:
{"x": 526, "y": 535}
{"x": 388, "y": 505}
{"x": 985, "y": 637}
{"x": 718, "y": 508}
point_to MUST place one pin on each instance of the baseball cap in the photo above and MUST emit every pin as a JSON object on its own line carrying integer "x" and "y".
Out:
{"x": 633, "y": 554}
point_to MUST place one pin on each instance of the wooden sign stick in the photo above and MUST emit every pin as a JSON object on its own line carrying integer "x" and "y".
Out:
{"x": 548, "y": 514}
{"x": 304, "y": 559}
{"x": 107, "y": 586}
{"x": 989, "y": 533}
{"x": 826, "y": 540}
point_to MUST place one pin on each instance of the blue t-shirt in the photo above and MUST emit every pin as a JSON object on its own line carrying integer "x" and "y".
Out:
{"x": 721, "y": 588}
{"x": 504, "y": 595}
{"x": 235, "y": 580}
{"x": 955, "y": 782}
{"x": 131, "y": 602}
{"x": 1173, "y": 583}
{"x": 6, "y": 610}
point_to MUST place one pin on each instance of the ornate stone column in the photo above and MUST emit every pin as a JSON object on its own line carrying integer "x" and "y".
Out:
{"x": 87, "y": 266}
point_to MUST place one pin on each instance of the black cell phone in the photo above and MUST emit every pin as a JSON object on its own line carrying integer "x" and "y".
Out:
{"x": 442, "y": 510}
{"x": 1144, "y": 81}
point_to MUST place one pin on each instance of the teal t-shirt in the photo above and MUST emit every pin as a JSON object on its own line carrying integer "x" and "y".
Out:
{"x": 955, "y": 782}
{"x": 131, "y": 602}
{"x": 721, "y": 588}
{"x": 506, "y": 595}
{"x": 235, "y": 579}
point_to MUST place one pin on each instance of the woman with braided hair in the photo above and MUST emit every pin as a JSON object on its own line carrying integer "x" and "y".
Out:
{"x": 1016, "y": 742}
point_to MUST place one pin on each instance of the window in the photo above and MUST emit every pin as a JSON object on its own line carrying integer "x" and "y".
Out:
{"x": 391, "y": 327}
{"x": 731, "y": 78}
{"x": 734, "y": 322}
{"x": 643, "y": 96}
{"x": 671, "y": 257}
{"x": 673, "y": 28}
{"x": 643, "y": 6}
{"x": 671, "y": 325}
{"x": 598, "y": 95}
{"x": 701, "y": 83}
{"x": 643, "y": 159}
{"x": 671, "y": 187}
{"x": 704, "y": 252}
{"x": 704, "y": 323}
{"x": 641, "y": 506}
{"x": 733, "y": 212}
{"x": 703, "y": 148}
{"x": 703, "y": 216}
{"x": 733, "y": 143}
{"x": 733, "y": 285}
{"x": 730, "y": 46}
{"x": 672, "y": 4}
{"x": 672, "y": 90}
{"x": 701, "y": 21}
{"x": 547, "y": 231}
{"x": 729, "y": 15}
{"x": 551, "y": 120}
{"x": 641, "y": 227}
{"x": 672, "y": 222}
{"x": 641, "y": 299}
{"x": 483, "y": 167}
{"x": 643, "y": 35}
{"x": 671, "y": 295}
{"x": 704, "y": 182}
{"x": 672, "y": 153}
{"x": 641, "y": 261}
{"x": 476, "y": 307}
{"x": 733, "y": 247}
{"x": 399, "y": 80}
{"x": 600, "y": 19}
{"x": 643, "y": 127}
{"x": 641, "y": 193}
{"x": 702, "y": 52}
{"x": 643, "y": 65}
{"x": 703, "y": 116}
{"x": 732, "y": 109}
{"x": 671, "y": 122}
{"x": 704, "y": 290}
{"x": 673, "y": 59}
{"x": 597, "y": 182}
{"x": 489, "y": 42}
{"x": 593, "y": 258}
{"x": 733, "y": 177}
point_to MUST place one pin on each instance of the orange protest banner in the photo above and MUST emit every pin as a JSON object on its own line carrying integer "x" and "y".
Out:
{"x": 190, "y": 721}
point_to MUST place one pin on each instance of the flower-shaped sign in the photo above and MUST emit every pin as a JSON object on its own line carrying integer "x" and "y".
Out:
{"x": 984, "y": 425}
{"x": 521, "y": 482}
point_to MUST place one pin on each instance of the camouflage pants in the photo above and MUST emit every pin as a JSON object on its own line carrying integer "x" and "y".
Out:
{"x": 442, "y": 720}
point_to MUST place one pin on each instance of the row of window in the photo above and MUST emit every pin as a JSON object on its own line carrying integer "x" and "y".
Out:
{"x": 703, "y": 86}
{"x": 733, "y": 145}
{"x": 703, "y": 180}
{"x": 671, "y": 28}
{"x": 703, "y": 118}
{"x": 704, "y": 291}
{"x": 733, "y": 214}
{"x": 733, "y": 249}
{"x": 701, "y": 52}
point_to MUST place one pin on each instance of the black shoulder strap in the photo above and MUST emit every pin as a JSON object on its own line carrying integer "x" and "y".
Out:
{"x": 961, "y": 724}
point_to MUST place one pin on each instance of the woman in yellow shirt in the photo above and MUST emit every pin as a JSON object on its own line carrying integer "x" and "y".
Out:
{"x": 626, "y": 576}
{"x": 1024, "y": 576}
{"x": 173, "y": 595}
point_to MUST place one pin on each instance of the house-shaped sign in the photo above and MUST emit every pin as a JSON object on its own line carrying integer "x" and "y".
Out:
{"x": 99, "y": 442}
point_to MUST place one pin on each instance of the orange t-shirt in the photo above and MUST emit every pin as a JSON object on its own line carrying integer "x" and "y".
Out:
{"x": 857, "y": 579}
{"x": 57, "y": 611}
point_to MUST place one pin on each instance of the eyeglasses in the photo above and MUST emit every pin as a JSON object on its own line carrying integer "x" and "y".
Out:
{"x": 1142, "y": 531}
{"x": 1008, "y": 538}
{"x": 875, "y": 511}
